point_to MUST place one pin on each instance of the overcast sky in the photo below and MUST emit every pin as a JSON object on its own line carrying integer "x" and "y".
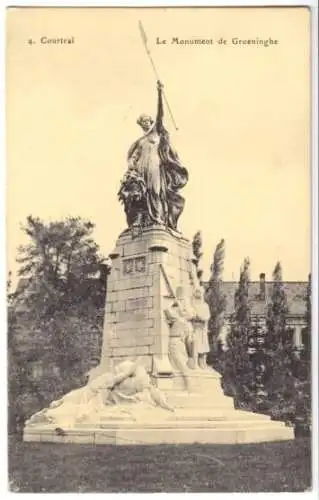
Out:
{"x": 242, "y": 113}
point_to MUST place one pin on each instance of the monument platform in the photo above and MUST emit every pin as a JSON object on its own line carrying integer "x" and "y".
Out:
{"x": 168, "y": 433}
{"x": 190, "y": 407}
{"x": 185, "y": 427}
{"x": 204, "y": 416}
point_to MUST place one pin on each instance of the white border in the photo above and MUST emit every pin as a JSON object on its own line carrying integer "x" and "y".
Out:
{"x": 315, "y": 297}
{"x": 3, "y": 348}
{"x": 163, "y": 3}
{"x": 313, "y": 5}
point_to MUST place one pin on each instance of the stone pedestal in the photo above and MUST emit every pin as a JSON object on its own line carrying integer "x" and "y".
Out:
{"x": 146, "y": 271}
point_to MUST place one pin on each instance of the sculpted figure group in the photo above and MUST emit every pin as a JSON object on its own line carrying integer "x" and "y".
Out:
{"x": 119, "y": 394}
{"x": 154, "y": 176}
{"x": 127, "y": 391}
{"x": 188, "y": 319}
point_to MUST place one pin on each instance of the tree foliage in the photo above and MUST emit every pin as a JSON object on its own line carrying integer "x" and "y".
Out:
{"x": 277, "y": 310}
{"x": 279, "y": 348}
{"x": 303, "y": 373}
{"x": 55, "y": 263}
{"x": 308, "y": 320}
{"x": 238, "y": 375}
{"x": 197, "y": 244}
{"x": 216, "y": 298}
{"x": 53, "y": 309}
{"x": 258, "y": 357}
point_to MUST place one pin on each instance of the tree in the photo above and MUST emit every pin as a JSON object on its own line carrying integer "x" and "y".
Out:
{"x": 239, "y": 376}
{"x": 279, "y": 348}
{"x": 256, "y": 350}
{"x": 55, "y": 263}
{"x": 55, "y": 267}
{"x": 197, "y": 246}
{"x": 277, "y": 310}
{"x": 216, "y": 300}
{"x": 18, "y": 383}
{"x": 9, "y": 288}
{"x": 14, "y": 378}
{"x": 60, "y": 303}
{"x": 303, "y": 374}
{"x": 308, "y": 320}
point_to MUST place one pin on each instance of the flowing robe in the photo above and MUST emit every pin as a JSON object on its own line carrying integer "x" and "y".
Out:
{"x": 156, "y": 161}
{"x": 202, "y": 316}
{"x": 179, "y": 330}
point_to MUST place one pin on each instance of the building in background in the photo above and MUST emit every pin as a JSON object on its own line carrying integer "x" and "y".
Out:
{"x": 94, "y": 285}
{"x": 259, "y": 297}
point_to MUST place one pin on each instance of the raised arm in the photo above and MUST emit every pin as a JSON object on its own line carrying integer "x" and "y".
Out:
{"x": 160, "y": 111}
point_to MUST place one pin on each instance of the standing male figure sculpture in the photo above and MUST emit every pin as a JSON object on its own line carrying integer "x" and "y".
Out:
{"x": 188, "y": 321}
{"x": 149, "y": 190}
{"x": 179, "y": 316}
{"x": 200, "y": 323}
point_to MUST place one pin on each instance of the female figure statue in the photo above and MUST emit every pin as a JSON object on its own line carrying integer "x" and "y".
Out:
{"x": 87, "y": 400}
{"x": 129, "y": 383}
{"x": 150, "y": 187}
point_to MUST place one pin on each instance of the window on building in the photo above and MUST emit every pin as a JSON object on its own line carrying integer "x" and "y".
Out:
{"x": 306, "y": 338}
{"x": 55, "y": 370}
{"x": 36, "y": 369}
{"x": 289, "y": 336}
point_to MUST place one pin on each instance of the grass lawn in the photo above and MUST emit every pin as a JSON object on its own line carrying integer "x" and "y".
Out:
{"x": 268, "y": 467}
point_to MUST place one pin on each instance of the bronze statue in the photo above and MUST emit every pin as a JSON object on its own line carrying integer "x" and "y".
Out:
{"x": 149, "y": 190}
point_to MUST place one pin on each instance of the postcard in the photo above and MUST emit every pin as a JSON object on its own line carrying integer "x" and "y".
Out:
{"x": 159, "y": 287}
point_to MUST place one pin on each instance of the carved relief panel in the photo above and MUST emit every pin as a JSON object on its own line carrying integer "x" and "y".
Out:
{"x": 134, "y": 265}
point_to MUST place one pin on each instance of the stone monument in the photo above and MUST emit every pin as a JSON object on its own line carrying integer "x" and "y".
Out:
{"x": 152, "y": 384}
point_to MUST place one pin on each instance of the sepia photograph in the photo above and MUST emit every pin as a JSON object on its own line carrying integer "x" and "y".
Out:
{"x": 159, "y": 249}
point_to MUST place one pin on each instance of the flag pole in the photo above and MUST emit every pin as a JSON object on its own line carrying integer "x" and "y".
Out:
{"x": 144, "y": 39}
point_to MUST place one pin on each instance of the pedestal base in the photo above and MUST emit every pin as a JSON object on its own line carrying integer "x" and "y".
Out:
{"x": 203, "y": 415}
{"x": 223, "y": 429}
{"x": 146, "y": 272}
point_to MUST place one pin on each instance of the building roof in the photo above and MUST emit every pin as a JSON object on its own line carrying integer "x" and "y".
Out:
{"x": 296, "y": 292}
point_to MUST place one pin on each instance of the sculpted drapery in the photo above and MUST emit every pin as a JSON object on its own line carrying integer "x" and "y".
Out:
{"x": 120, "y": 392}
{"x": 155, "y": 174}
{"x": 187, "y": 319}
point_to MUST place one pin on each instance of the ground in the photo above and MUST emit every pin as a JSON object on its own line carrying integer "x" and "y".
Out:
{"x": 268, "y": 467}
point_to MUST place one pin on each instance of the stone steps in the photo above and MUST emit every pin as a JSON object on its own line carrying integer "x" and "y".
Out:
{"x": 198, "y": 432}
{"x": 199, "y": 400}
{"x": 179, "y": 424}
{"x": 197, "y": 382}
{"x": 218, "y": 415}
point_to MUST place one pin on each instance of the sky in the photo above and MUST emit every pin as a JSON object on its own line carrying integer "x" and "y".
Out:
{"x": 242, "y": 114}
